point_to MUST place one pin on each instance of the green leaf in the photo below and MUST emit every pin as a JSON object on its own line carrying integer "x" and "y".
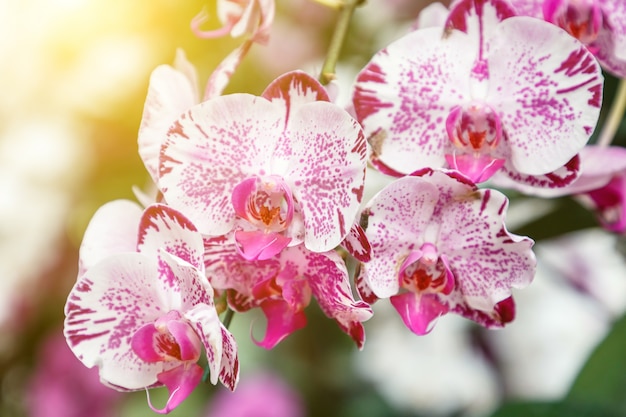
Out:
{"x": 602, "y": 380}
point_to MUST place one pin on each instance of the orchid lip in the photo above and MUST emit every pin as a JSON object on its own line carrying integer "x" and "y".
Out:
{"x": 581, "y": 19}
{"x": 265, "y": 202}
{"x": 423, "y": 271}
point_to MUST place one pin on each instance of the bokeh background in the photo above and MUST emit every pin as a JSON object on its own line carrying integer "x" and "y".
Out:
{"x": 73, "y": 79}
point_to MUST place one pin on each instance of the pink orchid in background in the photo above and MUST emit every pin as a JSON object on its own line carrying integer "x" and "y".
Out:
{"x": 599, "y": 24}
{"x": 491, "y": 93}
{"x": 283, "y": 286}
{"x": 143, "y": 316}
{"x": 260, "y": 395}
{"x": 60, "y": 386}
{"x": 276, "y": 170}
{"x": 172, "y": 90}
{"x": 440, "y": 245}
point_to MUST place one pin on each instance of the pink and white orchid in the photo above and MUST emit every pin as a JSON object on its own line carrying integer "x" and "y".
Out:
{"x": 143, "y": 316}
{"x": 282, "y": 287}
{"x": 276, "y": 170}
{"x": 491, "y": 93}
{"x": 599, "y": 24}
{"x": 253, "y": 18}
{"x": 440, "y": 245}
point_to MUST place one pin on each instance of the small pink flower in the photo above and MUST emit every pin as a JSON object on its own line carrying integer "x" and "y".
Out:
{"x": 276, "y": 170}
{"x": 491, "y": 95}
{"x": 143, "y": 315}
{"x": 439, "y": 245}
{"x": 283, "y": 286}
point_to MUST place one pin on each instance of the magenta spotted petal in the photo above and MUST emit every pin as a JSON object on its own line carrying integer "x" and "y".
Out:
{"x": 440, "y": 245}
{"x": 225, "y": 151}
{"x": 491, "y": 91}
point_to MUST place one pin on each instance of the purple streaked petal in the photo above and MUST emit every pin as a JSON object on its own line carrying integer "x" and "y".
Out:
{"x": 211, "y": 149}
{"x": 163, "y": 227}
{"x": 102, "y": 240}
{"x": 402, "y": 100}
{"x": 186, "y": 285}
{"x": 398, "y": 214}
{"x": 295, "y": 88}
{"x": 365, "y": 292}
{"x": 419, "y": 312}
{"x": 328, "y": 171}
{"x": 257, "y": 245}
{"x": 356, "y": 244}
{"x": 548, "y": 89}
{"x": 552, "y": 184}
{"x": 328, "y": 277}
{"x": 107, "y": 305}
{"x": 170, "y": 93}
{"x": 229, "y": 372}
{"x": 180, "y": 382}
{"x": 207, "y": 325}
{"x": 281, "y": 322}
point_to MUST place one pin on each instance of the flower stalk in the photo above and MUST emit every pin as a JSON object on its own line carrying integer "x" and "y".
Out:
{"x": 614, "y": 118}
{"x": 346, "y": 10}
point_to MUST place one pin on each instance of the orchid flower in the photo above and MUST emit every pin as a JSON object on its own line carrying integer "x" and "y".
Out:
{"x": 491, "y": 93}
{"x": 276, "y": 170}
{"x": 283, "y": 286}
{"x": 253, "y": 18}
{"x": 143, "y": 316}
{"x": 599, "y": 24}
{"x": 439, "y": 245}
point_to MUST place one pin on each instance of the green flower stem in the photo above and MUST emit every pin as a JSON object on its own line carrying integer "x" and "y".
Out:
{"x": 346, "y": 10}
{"x": 615, "y": 116}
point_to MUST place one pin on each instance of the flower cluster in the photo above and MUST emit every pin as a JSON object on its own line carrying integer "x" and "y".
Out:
{"x": 260, "y": 198}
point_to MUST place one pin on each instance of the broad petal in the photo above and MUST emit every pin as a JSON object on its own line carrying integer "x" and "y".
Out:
{"x": 404, "y": 94}
{"x": 399, "y": 216}
{"x": 212, "y": 148}
{"x": 163, "y": 227}
{"x": 107, "y": 305}
{"x": 112, "y": 229}
{"x": 295, "y": 88}
{"x": 548, "y": 89}
{"x": 357, "y": 245}
{"x": 281, "y": 322}
{"x": 258, "y": 245}
{"x": 486, "y": 260}
{"x": 330, "y": 283}
{"x": 180, "y": 382}
{"x": 170, "y": 93}
{"x": 419, "y": 312}
{"x": 328, "y": 171}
